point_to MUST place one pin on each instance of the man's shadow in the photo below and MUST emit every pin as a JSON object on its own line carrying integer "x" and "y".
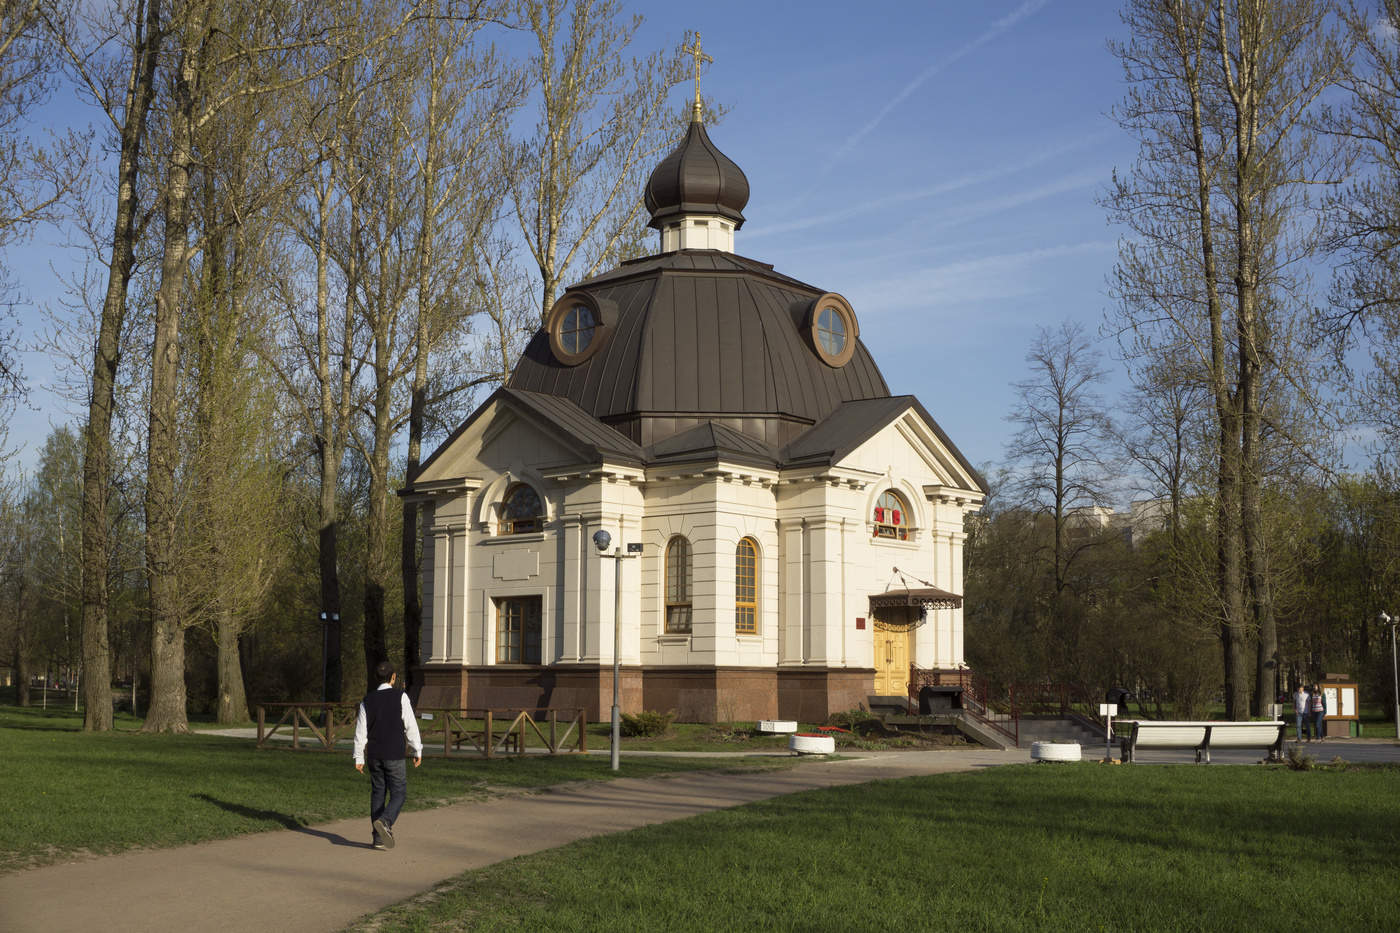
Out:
{"x": 283, "y": 819}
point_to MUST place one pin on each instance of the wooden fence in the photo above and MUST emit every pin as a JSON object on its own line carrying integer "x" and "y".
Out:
{"x": 470, "y": 732}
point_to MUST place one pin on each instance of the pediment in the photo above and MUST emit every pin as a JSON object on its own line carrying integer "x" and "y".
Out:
{"x": 514, "y": 428}
{"x": 879, "y": 435}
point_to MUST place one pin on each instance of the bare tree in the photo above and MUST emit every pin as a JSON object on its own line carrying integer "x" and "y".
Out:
{"x": 124, "y": 87}
{"x": 1060, "y": 450}
{"x": 576, "y": 184}
{"x": 1221, "y": 97}
{"x": 1367, "y": 213}
{"x": 469, "y": 96}
{"x": 219, "y": 54}
{"x": 1165, "y": 432}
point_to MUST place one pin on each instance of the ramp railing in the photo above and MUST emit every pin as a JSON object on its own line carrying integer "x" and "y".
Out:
{"x": 457, "y": 732}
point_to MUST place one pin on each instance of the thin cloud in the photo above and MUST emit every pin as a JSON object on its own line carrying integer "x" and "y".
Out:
{"x": 963, "y": 182}
{"x": 1385, "y": 31}
{"x": 1000, "y": 26}
{"x": 978, "y": 210}
{"x": 979, "y": 279}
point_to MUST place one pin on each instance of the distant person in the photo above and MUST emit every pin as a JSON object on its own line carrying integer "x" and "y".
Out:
{"x": 1318, "y": 709}
{"x": 383, "y": 724}
{"x": 1302, "y": 712}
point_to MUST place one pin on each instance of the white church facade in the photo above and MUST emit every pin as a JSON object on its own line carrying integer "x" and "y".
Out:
{"x": 796, "y": 531}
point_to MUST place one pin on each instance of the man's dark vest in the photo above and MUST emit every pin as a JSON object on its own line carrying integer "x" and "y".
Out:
{"x": 384, "y": 717}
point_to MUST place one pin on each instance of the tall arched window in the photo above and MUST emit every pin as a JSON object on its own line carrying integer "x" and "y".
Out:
{"x": 891, "y": 516}
{"x": 522, "y": 510}
{"x": 746, "y": 587}
{"x": 678, "y": 586}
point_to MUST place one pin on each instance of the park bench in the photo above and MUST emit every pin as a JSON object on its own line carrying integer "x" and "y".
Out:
{"x": 1200, "y": 736}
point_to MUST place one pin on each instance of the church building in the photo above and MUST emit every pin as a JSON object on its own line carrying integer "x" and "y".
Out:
{"x": 784, "y": 536}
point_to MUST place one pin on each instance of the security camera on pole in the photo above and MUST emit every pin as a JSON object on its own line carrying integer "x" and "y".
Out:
{"x": 601, "y": 540}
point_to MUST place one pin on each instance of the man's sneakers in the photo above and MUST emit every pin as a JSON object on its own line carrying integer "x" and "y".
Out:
{"x": 383, "y": 835}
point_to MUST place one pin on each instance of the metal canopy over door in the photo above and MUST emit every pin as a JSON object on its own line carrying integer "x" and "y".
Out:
{"x": 897, "y": 613}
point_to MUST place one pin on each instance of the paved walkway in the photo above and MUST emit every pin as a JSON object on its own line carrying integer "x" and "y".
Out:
{"x": 324, "y": 877}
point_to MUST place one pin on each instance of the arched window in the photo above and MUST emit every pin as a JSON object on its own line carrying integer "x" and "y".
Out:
{"x": 891, "y": 516}
{"x": 678, "y": 586}
{"x": 746, "y": 587}
{"x": 522, "y": 510}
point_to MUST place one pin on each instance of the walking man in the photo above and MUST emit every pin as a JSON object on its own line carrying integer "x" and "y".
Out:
{"x": 1301, "y": 713}
{"x": 383, "y": 725}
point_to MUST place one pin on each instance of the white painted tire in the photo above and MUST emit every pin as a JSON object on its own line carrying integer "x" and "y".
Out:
{"x": 1055, "y": 751}
{"x": 777, "y": 725}
{"x": 812, "y": 744}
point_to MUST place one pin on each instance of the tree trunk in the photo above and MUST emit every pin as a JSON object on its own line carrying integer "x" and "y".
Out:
{"x": 330, "y": 448}
{"x": 97, "y": 654}
{"x": 233, "y": 702}
{"x": 23, "y": 672}
{"x": 330, "y": 578}
{"x": 377, "y": 533}
{"x": 168, "y": 712}
{"x": 409, "y": 566}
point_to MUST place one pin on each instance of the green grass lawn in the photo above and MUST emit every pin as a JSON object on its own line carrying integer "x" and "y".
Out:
{"x": 1038, "y": 847}
{"x": 68, "y": 792}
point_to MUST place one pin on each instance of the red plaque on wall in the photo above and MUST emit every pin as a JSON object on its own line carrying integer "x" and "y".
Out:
{"x": 860, "y": 622}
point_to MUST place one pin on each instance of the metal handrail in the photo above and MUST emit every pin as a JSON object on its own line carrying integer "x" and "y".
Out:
{"x": 974, "y": 698}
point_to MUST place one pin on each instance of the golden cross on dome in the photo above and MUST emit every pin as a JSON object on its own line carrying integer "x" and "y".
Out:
{"x": 700, "y": 56}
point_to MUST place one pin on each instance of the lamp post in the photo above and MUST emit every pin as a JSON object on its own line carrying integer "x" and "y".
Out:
{"x": 1386, "y": 619}
{"x": 601, "y": 540}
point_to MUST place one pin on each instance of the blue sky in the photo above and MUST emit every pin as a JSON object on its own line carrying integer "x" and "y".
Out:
{"x": 936, "y": 163}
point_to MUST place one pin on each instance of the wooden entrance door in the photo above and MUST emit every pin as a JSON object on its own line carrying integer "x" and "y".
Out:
{"x": 891, "y": 661}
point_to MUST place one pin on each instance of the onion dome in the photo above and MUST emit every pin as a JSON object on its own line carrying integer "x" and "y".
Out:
{"x": 696, "y": 178}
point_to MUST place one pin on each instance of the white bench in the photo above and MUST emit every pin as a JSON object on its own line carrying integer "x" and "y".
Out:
{"x": 1200, "y": 736}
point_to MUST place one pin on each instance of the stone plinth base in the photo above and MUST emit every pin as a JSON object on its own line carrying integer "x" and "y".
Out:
{"x": 697, "y": 694}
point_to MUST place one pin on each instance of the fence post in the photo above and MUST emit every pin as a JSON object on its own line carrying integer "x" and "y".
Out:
{"x": 261, "y": 725}
{"x": 490, "y": 740}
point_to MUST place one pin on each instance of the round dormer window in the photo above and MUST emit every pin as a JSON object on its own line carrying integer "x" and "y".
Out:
{"x": 577, "y": 328}
{"x": 832, "y": 329}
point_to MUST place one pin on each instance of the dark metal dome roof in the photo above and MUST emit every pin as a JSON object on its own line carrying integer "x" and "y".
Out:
{"x": 696, "y": 178}
{"x": 696, "y": 336}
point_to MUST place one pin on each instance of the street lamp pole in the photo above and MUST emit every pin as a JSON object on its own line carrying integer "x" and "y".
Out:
{"x": 1387, "y": 619}
{"x": 601, "y": 539}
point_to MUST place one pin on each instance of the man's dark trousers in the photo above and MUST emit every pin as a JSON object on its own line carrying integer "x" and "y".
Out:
{"x": 391, "y": 775}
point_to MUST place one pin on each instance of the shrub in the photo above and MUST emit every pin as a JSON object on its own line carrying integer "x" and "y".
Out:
{"x": 851, "y": 719}
{"x": 1298, "y": 761}
{"x": 646, "y": 723}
